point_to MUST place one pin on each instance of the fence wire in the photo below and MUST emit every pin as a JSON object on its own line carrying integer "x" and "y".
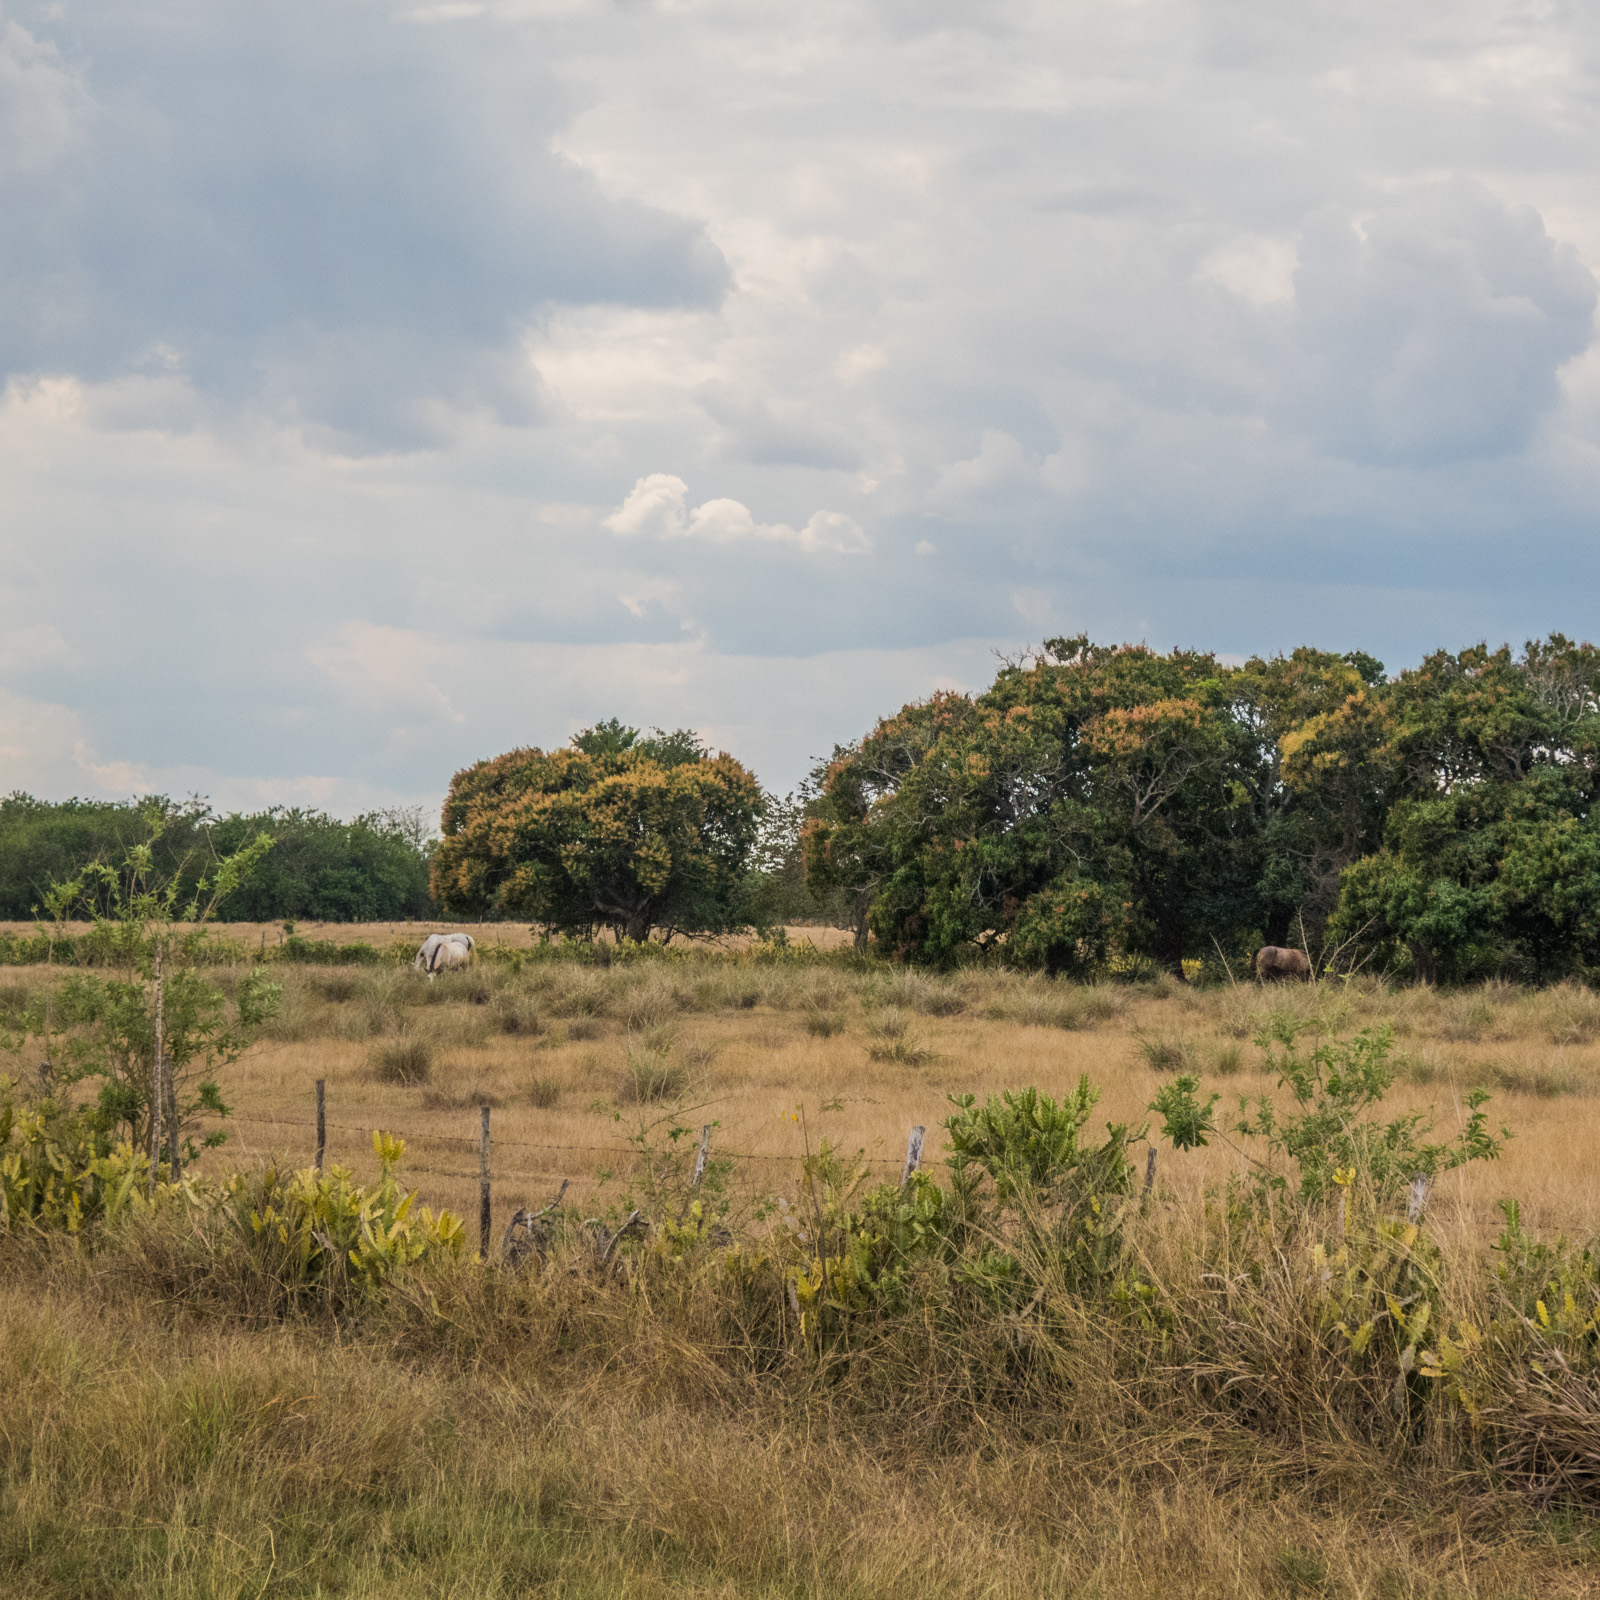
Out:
{"x": 522, "y": 1144}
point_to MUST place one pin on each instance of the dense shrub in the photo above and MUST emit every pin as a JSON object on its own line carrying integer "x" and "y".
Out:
{"x": 320, "y": 869}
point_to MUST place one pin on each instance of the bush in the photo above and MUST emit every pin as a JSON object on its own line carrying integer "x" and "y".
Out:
{"x": 58, "y": 1169}
{"x": 325, "y": 953}
{"x": 1333, "y": 1132}
{"x": 650, "y": 1075}
{"x": 889, "y": 1039}
{"x": 516, "y": 1014}
{"x": 407, "y": 1060}
{"x": 323, "y": 1237}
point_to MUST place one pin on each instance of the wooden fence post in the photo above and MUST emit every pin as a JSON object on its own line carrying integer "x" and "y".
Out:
{"x": 1150, "y": 1170}
{"x": 483, "y": 1187}
{"x": 157, "y": 1085}
{"x": 700, "y": 1159}
{"x": 913, "y": 1154}
{"x": 322, "y": 1122}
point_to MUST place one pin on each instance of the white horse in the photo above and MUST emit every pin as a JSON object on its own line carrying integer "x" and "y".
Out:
{"x": 443, "y": 952}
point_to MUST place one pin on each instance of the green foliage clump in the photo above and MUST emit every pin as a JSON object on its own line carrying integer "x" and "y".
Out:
{"x": 59, "y": 1169}
{"x": 323, "y": 1236}
{"x": 1333, "y": 1128}
{"x": 321, "y": 869}
{"x": 1110, "y": 808}
{"x": 106, "y": 1027}
{"x": 617, "y": 832}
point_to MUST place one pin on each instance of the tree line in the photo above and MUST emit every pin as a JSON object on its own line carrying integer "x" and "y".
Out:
{"x": 1102, "y": 802}
{"x": 319, "y": 868}
{"x": 1096, "y": 806}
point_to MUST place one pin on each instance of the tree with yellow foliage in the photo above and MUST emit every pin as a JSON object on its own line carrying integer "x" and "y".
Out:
{"x": 635, "y": 834}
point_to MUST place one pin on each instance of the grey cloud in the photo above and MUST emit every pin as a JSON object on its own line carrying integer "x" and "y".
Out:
{"x": 772, "y": 432}
{"x": 1436, "y": 331}
{"x": 307, "y": 202}
{"x": 1153, "y": 320}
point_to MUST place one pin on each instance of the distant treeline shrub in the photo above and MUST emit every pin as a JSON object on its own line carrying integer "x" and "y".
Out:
{"x": 319, "y": 869}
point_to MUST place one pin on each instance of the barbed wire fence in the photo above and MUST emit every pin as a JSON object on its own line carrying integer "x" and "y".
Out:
{"x": 486, "y": 1173}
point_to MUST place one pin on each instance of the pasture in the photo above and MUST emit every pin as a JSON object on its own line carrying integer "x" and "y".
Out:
{"x": 490, "y": 1435}
{"x": 573, "y": 1059}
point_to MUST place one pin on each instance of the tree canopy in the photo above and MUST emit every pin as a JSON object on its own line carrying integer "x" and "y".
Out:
{"x": 1111, "y": 800}
{"x": 319, "y": 869}
{"x": 618, "y": 830}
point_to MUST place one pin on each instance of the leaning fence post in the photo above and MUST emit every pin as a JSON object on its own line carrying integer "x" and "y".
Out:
{"x": 157, "y": 1087}
{"x": 322, "y": 1122}
{"x": 913, "y": 1154}
{"x": 483, "y": 1187}
{"x": 700, "y": 1159}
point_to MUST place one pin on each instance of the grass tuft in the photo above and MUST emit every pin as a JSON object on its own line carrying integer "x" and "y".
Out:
{"x": 649, "y": 1076}
{"x": 406, "y": 1060}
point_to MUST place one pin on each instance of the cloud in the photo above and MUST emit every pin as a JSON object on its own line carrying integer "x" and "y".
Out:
{"x": 657, "y": 507}
{"x": 1000, "y": 463}
{"x": 341, "y": 344}
{"x": 44, "y": 112}
{"x": 305, "y": 208}
{"x": 1257, "y": 269}
{"x": 776, "y": 432}
{"x": 384, "y": 667}
{"x": 1432, "y": 328}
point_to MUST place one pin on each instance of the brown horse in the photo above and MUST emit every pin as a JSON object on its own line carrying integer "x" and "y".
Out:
{"x": 1274, "y": 961}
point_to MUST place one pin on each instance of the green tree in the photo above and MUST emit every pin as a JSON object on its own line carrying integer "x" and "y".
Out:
{"x": 43, "y": 842}
{"x": 1087, "y": 803}
{"x": 620, "y": 831}
{"x": 150, "y": 1027}
{"x": 1490, "y": 853}
{"x": 320, "y": 869}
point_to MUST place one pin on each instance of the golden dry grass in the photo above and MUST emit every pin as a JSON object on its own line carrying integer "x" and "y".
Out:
{"x": 740, "y": 1037}
{"x": 552, "y": 1435}
{"x": 152, "y": 1457}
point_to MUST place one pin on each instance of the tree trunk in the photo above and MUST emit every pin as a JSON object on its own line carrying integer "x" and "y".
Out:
{"x": 863, "y": 906}
{"x": 1169, "y": 949}
{"x": 1422, "y": 962}
{"x": 174, "y": 1154}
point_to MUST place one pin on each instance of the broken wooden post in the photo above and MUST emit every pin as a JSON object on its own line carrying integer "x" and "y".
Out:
{"x": 535, "y": 1235}
{"x": 483, "y": 1187}
{"x": 322, "y": 1122}
{"x": 157, "y": 1084}
{"x": 913, "y": 1154}
{"x": 700, "y": 1159}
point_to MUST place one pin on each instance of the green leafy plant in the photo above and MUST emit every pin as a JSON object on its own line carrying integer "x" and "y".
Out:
{"x": 1334, "y": 1122}
{"x": 156, "y": 1032}
{"x": 59, "y": 1169}
{"x": 1057, "y": 1196}
{"x": 325, "y": 1234}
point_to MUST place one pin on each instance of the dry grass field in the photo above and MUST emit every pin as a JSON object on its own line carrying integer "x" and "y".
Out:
{"x": 497, "y": 1435}
{"x": 572, "y": 1059}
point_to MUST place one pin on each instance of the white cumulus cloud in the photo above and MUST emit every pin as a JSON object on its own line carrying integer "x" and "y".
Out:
{"x": 657, "y": 507}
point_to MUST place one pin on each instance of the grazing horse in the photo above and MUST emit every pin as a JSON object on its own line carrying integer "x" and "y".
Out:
{"x": 1273, "y": 961}
{"x": 442, "y": 952}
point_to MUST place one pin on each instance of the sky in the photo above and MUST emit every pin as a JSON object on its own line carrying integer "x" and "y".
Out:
{"x": 385, "y": 386}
